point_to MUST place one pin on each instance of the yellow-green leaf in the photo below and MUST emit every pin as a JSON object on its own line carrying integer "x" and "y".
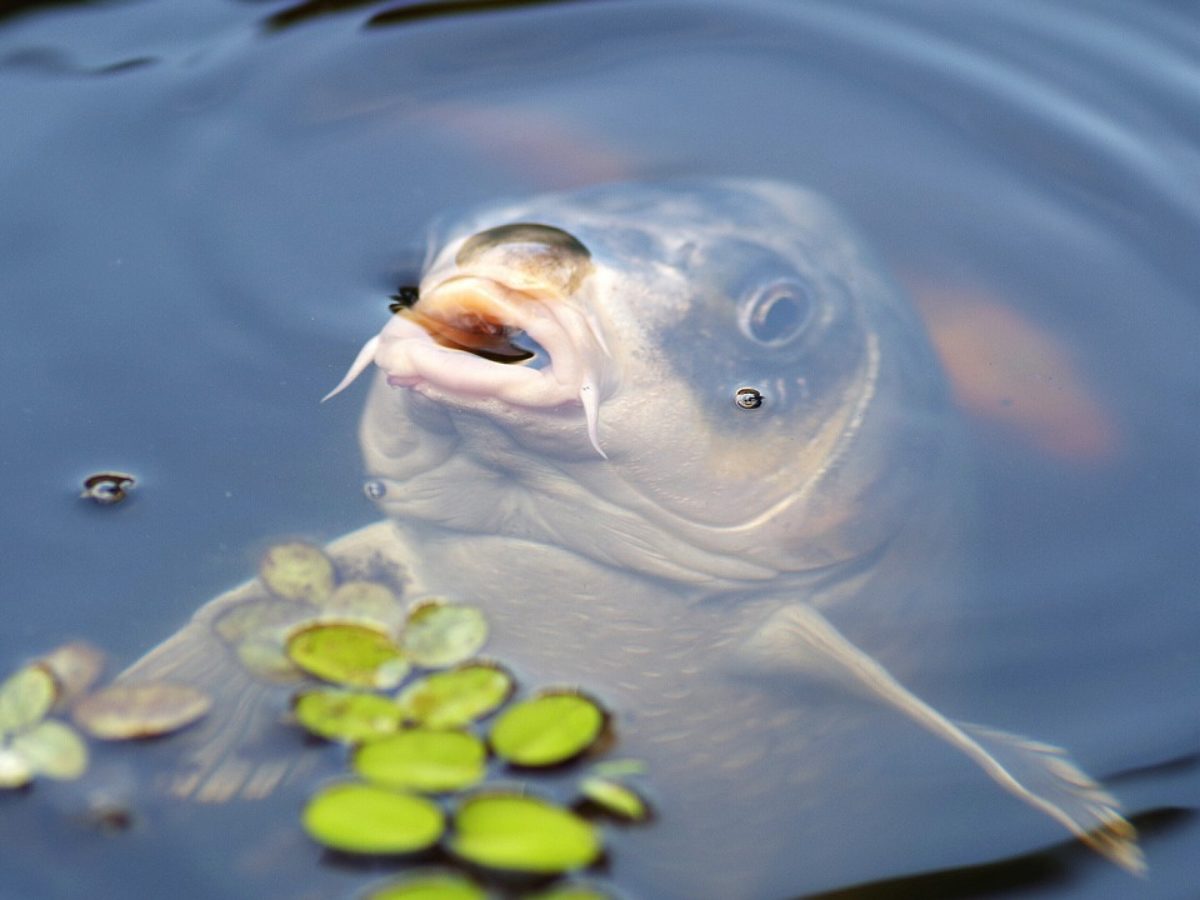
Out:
{"x": 348, "y": 716}
{"x": 422, "y": 760}
{"x": 522, "y": 833}
{"x": 547, "y": 730}
{"x": 53, "y": 749}
{"x": 614, "y": 798}
{"x": 25, "y": 698}
{"x": 348, "y": 653}
{"x": 456, "y": 698}
{"x": 362, "y": 818}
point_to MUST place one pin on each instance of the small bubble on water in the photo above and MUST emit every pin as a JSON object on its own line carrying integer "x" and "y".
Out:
{"x": 375, "y": 489}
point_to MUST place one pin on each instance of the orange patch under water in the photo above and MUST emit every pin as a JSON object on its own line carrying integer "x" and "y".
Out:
{"x": 1012, "y": 373}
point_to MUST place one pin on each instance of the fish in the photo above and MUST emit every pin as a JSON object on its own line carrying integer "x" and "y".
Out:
{"x": 689, "y": 447}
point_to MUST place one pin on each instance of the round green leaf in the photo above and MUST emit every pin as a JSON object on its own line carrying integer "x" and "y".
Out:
{"x": 348, "y": 653}
{"x": 53, "y": 749}
{"x": 547, "y": 730}
{"x": 362, "y": 818}
{"x": 298, "y": 571}
{"x": 614, "y": 798}
{"x": 15, "y": 769}
{"x": 443, "y": 634}
{"x": 421, "y": 760}
{"x": 25, "y": 698}
{"x": 347, "y": 716}
{"x": 142, "y": 709}
{"x": 429, "y": 887}
{"x": 456, "y": 698}
{"x": 521, "y": 833}
{"x": 76, "y": 667}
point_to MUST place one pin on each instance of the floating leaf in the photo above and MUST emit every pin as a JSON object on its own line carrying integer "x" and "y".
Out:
{"x": 421, "y": 760}
{"x": 614, "y": 798}
{"x": 348, "y": 716}
{"x": 298, "y": 571}
{"x": 25, "y": 698}
{"x": 15, "y": 769}
{"x": 264, "y": 619}
{"x": 547, "y": 730}
{"x": 52, "y": 749}
{"x": 456, "y": 698}
{"x": 362, "y": 818}
{"x": 521, "y": 833}
{"x": 442, "y": 634}
{"x": 367, "y": 600}
{"x": 348, "y": 653}
{"x": 144, "y": 709}
{"x": 429, "y": 887}
{"x": 76, "y": 667}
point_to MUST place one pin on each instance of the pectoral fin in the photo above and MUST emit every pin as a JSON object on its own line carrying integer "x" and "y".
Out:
{"x": 241, "y": 749}
{"x": 798, "y": 638}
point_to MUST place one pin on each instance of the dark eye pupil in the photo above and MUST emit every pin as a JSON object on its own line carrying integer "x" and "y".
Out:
{"x": 779, "y": 317}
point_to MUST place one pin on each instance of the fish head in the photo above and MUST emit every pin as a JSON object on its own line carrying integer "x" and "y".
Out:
{"x": 698, "y": 380}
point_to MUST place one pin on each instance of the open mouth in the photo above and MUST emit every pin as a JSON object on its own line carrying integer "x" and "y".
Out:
{"x": 472, "y": 337}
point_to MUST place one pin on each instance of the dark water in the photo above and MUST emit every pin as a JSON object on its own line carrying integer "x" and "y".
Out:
{"x": 202, "y": 210}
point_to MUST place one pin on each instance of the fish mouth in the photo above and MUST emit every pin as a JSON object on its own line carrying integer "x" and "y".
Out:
{"x": 472, "y": 337}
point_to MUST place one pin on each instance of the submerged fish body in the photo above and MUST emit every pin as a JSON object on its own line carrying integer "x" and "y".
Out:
{"x": 687, "y": 447}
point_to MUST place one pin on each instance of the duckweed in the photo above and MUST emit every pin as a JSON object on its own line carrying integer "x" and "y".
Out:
{"x": 298, "y": 571}
{"x": 348, "y": 716}
{"x": 521, "y": 833}
{"x": 348, "y": 653}
{"x": 423, "y": 760}
{"x": 442, "y": 886}
{"x": 547, "y": 730}
{"x": 362, "y": 818}
{"x": 456, "y": 698}
{"x": 614, "y": 798}
{"x": 143, "y": 709}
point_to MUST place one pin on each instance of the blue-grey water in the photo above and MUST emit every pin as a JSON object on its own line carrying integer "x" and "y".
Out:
{"x": 203, "y": 208}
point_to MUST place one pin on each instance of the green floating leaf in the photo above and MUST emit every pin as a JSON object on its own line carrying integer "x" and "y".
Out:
{"x": 443, "y": 634}
{"x": 619, "y": 768}
{"x": 429, "y": 887}
{"x": 348, "y": 653}
{"x": 122, "y": 712}
{"x": 367, "y": 600}
{"x": 362, "y": 818}
{"x": 25, "y": 698}
{"x": 347, "y": 716}
{"x": 421, "y": 760}
{"x": 298, "y": 571}
{"x": 547, "y": 730}
{"x": 456, "y": 698}
{"x": 52, "y": 749}
{"x": 15, "y": 769}
{"x": 615, "y": 798}
{"x": 521, "y": 833}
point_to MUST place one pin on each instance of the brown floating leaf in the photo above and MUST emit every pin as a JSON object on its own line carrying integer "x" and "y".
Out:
{"x": 122, "y": 712}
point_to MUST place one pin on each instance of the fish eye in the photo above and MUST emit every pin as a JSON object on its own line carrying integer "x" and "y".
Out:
{"x": 748, "y": 398}
{"x": 777, "y": 314}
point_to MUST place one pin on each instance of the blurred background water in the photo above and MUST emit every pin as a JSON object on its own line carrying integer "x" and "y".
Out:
{"x": 204, "y": 205}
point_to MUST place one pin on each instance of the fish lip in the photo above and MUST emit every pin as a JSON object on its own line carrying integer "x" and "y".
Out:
{"x": 415, "y": 354}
